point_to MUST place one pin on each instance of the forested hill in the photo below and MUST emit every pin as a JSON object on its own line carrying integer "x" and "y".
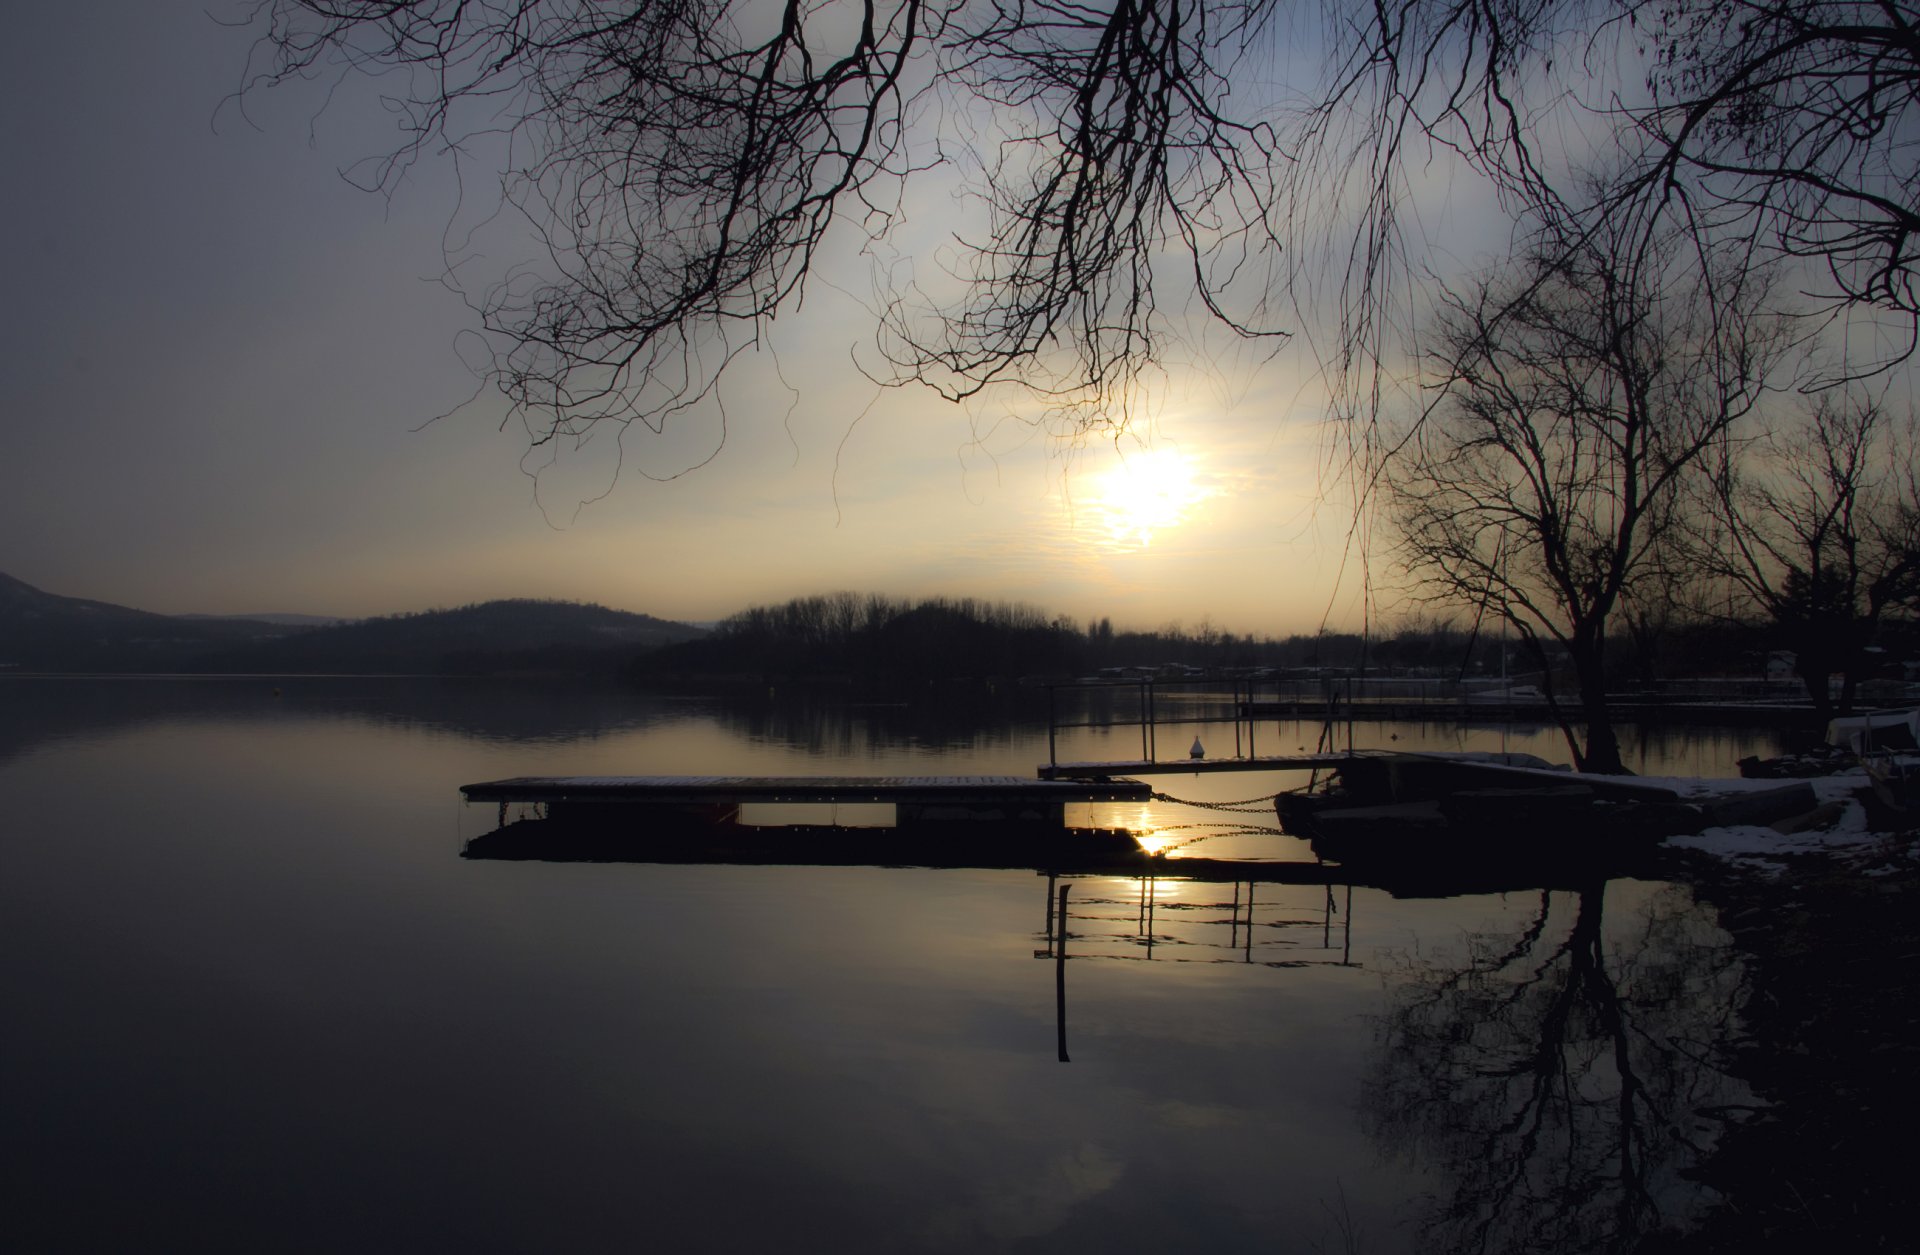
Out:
{"x": 487, "y": 638}
{"x": 42, "y": 631}
{"x": 885, "y": 640}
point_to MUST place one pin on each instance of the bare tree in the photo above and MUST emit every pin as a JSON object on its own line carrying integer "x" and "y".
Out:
{"x": 1573, "y": 395}
{"x": 1818, "y": 528}
{"x": 1795, "y": 120}
{"x": 1787, "y": 123}
{"x": 683, "y": 163}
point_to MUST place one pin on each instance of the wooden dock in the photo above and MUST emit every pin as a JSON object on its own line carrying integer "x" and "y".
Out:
{"x": 1095, "y": 771}
{"x": 717, "y": 799}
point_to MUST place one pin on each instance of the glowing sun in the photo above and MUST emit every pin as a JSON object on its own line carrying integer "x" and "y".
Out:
{"x": 1150, "y": 491}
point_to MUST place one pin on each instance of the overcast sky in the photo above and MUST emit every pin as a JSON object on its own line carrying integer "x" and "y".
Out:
{"x": 222, "y": 358}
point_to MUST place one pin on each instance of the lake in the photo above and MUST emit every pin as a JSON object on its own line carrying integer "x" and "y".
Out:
{"x": 258, "y": 1000}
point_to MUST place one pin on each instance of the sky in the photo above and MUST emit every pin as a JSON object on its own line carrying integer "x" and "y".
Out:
{"x": 225, "y": 365}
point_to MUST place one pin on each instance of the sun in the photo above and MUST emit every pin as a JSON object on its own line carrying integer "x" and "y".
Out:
{"x": 1149, "y": 492}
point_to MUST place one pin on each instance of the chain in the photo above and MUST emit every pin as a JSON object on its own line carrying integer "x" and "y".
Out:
{"x": 1245, "y": 806}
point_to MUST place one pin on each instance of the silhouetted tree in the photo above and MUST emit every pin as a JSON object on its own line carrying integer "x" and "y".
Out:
{"x": 1573, "y": 393}
{"x": 683, "y": 165}
{"x": 1782, "y": 124}
{"x": 1818, "y": 528}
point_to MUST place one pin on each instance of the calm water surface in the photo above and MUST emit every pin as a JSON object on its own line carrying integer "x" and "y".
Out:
{"x": 257, "y": 1000}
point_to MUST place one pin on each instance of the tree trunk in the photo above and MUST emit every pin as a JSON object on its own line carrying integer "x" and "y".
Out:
{"x": 1602, "y": 756}
{"x": 1602, "y": 752}
{"x": 1816, "y": 675}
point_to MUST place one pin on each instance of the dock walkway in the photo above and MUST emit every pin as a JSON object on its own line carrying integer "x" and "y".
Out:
{"x": 1094, "y": 771}
{"x": 917, "y": 799}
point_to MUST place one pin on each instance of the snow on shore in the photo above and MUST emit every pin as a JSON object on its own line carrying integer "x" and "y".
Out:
{"x": 1842, "y": 829}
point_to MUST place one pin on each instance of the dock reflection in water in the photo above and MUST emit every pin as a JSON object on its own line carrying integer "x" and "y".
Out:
{"x": 1177, "y": 919}
{"x": 1561, "y": 1079}
{"x": 1558, "y": 1080}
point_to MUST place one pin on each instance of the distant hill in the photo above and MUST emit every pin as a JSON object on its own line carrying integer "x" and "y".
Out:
{"x": 42, "y": 631}
{"x": 282, "y": 620}
{"x": 488, "y": 638}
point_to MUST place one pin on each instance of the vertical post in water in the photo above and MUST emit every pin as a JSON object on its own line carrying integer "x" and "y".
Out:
{"x": 1153, "y": 733}
{"x": 1060, "y": 973}
{"x": 1053, "y": 754}
{"x": 1253, "y": 695}
{"x": 1146, "y": 756}
{"x": 1346, "y": 930}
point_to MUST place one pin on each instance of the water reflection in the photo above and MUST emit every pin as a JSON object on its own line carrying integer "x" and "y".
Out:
{"x": 1129, "y": 919}
{"x": 1555, "y": 1075}
{"x": 1005, "y": 724}
{"x": 260, "y": 994}
{"x": 1181, "y": 919}
{"x": 36, "y": 710}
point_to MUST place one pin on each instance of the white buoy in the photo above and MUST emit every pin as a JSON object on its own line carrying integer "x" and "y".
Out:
{"x": 1198, "y": 750}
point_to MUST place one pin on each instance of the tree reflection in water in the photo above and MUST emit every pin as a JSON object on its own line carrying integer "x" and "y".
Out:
{"x": 1556, "y": 1082}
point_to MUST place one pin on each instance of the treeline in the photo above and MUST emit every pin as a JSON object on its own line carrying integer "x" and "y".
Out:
{"x": 881, "y": 640}
{"x": 870, "y": 637}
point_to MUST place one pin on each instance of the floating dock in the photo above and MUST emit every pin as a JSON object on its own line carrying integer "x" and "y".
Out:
{"x": 1101, "y": 771}
{"x": 717, "y": 799}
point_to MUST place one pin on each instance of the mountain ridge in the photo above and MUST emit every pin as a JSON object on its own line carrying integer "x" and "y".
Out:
{"x": 49, "y": 632}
